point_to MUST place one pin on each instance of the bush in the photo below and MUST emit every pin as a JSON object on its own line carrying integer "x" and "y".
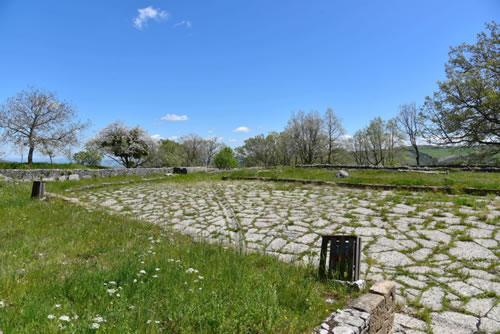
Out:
{"x": 90, "y": 157}
{"x": 225, "y": 159}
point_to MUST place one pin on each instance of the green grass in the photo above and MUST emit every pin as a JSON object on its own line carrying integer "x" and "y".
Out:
{"x": 45, "y": 165}
{"x": 454, "y": 179}
{"x": 59, "y": 259}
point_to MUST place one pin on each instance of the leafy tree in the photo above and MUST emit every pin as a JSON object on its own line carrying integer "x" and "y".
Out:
{"x": 466, "y": 108}
{"x": 225, "y": 159}
{"x": 89, "y": 157}
{"x": 170, "y": 153}
{"x": 35, "y": 118}
{"x": 129, "y": 147}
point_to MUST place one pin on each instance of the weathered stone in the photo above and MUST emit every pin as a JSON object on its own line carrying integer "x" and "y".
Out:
{"x": 392, "y": 258}
{"x": 479, "y": 306}
{"x": 432, "y": 298}
{"x": 471, "y": 251}
{"x": 341, "y": 174}
{"x": 494, "y": 313}
{"x": 343, "y": 330}
{"x": 489, "y": 326}
{"x": 276, "y": 245}
{"x": 368, "y": 302}
{"x": 453, "y": 323}
{"x": 406, "y": 321}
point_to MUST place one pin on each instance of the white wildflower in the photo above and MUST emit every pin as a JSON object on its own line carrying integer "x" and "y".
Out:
{"x": 157, "y": 269}
{"x": 135, "y": 280}
{"x": 117, "y": 295}
{"x": 157, "y": 322}
{"x": 201, "y": 277}
{"x": 155, "y": 276}
{"x": 2, "y": 304}
{"x": 98, "y": 319}
{"x": 131, "y": 307}
{"x": 95, "y": 326}
{"x": 64, "y": 318}
{"x": 51, "y": 316}
{"x": 111, "y": 291}
{"x": 192, "y": 270}
{"x": 148, "y": 322}
{"x": 58, "y": 305}
{"x": 143, "y": 272}
{"x": 112, "y": 282}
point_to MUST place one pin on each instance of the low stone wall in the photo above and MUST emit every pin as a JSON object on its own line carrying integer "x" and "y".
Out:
{"x": 64, "y": 174}
{"x": 372, "y": 313}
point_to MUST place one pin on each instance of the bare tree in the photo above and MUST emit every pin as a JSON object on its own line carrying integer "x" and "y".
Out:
{"x": 334, "y": 132}
{"x": 394, "y": 139}
{"x": 35, "y": 117}
{"x": 210, "y": 148}
{"x": 307, "y": 135}
{"x": 412, "y": 124}
{"x": 192, "y": 146}
{"x": 49, "y": 151}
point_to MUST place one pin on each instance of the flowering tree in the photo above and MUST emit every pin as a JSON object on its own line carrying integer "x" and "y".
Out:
{"x": 129, "y": 147}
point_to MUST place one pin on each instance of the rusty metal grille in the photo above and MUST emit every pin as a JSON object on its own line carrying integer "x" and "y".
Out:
{"x": 343, "y": 257}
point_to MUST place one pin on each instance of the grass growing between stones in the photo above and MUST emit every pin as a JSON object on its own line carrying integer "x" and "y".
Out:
{"x": 63, "y": 267}
{"x": 454, "y": 179}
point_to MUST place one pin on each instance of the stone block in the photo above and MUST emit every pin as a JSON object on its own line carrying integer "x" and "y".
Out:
{"x": 368, "y": 302}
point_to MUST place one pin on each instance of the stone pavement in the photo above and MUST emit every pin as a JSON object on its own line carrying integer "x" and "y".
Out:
{"x": 443, "y": 251}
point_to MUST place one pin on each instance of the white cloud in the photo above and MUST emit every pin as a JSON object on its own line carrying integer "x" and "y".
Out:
{"x": 157, "y": 137}
{"x": 233, "y": 140}
{"x": 149, "y": 13}
{"x": 345, "y": 137}
{"x": 241, "y": 129}
{"x": 185, "y": 23}
{"x": 174, "y": 118}
{"x": 174, "y": 138}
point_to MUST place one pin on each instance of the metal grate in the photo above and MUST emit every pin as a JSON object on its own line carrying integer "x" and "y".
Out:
{"x": 38, "y": 190}
{"x": 343, "y": 257}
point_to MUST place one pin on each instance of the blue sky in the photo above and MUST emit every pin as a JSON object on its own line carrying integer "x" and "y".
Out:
{"x": 232, "y": 64}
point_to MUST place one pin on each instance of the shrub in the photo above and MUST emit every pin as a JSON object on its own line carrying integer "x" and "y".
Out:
{"x": 89, "y": 157}
{"x": 225, "y": 159}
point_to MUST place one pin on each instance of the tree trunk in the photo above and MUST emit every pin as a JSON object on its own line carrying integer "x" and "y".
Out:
{"x": 30, "y": 156}
{"x": 418, "y": 155}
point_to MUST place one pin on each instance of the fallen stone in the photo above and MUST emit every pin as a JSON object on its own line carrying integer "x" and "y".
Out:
{"x": 341, "y": 174}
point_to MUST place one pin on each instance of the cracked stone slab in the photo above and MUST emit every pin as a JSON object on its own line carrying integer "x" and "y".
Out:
{"x": 471, "y": 251}
{"x": 392, "y": 258}
{"x": 453, "y": 323}
{"x": 479, "y": 307}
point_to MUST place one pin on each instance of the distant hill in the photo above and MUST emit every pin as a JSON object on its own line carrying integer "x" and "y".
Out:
{"x": 446, "y": 155}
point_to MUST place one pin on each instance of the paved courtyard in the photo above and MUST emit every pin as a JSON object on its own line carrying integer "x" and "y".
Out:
{"x": 443, "y": 251}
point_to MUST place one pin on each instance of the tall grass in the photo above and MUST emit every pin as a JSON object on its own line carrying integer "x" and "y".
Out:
{"x": 61, "y": 262}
